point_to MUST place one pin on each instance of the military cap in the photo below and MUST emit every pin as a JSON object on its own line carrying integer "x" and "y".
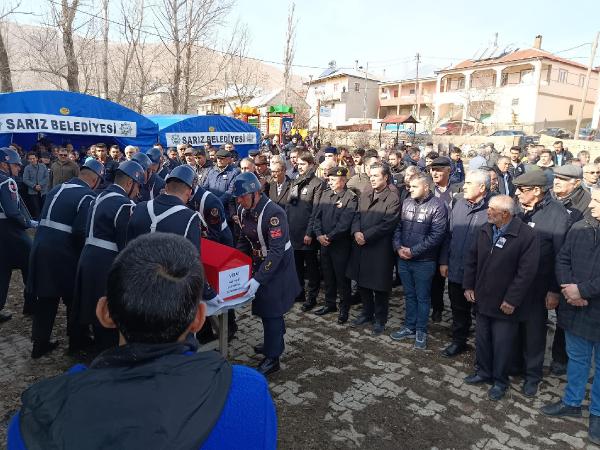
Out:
{"x": 441, "y": 161}
{"x": 532, "y": 178}
{"x": 330, "y": 150}
{"x": 339, "y": 171}
{"x": 222, "y": 153}
{"x": 569, "y": 171}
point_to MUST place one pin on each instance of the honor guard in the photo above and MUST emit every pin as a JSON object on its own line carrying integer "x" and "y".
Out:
{"x": 212, "y": 213}
{"x": 333, "y": 221}
{"x": 168, "y": 213}
{"x": 106, "y": 236}
{"x": 55, "y": 253}
{"x": 265, "y": 238}
{"x": 154, "y": 184}
{"x": 15, "y": 244}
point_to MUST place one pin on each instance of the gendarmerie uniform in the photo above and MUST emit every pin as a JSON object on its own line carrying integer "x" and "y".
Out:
{"x": 55, "y": 253}
{"x": 333, "y": 219}
{"x": 212, "y": 213}
{"x": 106, "y": 236}
{"x": 15, "y": 243}
{"x": 265, "y": 238}
{"x": 152, "y": 188}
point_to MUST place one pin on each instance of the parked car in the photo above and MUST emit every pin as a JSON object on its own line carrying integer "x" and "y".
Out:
{"x": 524, "y": 139}
{"x": 453, "y": 128}
{"x": 588, "y": 134}
{"x": 559, "y": 133}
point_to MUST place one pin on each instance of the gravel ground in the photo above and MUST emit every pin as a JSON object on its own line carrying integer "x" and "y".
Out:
{"x": 340, "y": 387}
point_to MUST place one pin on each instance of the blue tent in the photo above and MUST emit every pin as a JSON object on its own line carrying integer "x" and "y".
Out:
{"x": 64, "y": 117}
{"x": 196, "y": 130}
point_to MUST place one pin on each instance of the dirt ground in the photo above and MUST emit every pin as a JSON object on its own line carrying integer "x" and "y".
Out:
{"x": 341, "y": 388}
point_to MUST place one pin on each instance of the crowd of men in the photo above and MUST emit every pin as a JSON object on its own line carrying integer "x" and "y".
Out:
{"x": 512, "y": 236}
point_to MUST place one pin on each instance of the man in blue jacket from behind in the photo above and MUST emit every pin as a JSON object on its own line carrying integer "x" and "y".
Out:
{"x": 154, "y": 391}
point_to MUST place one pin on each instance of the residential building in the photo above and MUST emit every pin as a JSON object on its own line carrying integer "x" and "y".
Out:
{"x": 401, "y": 98}
{"x": 526, "y": 89}
{"x": 276, "y": 97}
{"x": 338, "y": 97}
{"x": 225, "y": 101}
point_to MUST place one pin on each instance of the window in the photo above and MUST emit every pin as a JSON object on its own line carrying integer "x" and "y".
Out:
{"x": 382, "y": 90}
{"x": 395, "y": 93}
{"x": 581, "y": 80}
{"x": 526, "y": 76}
{"x": 570, "y": 110}
{"x": 562, "y": 75}
{"x": 411, "y": 92}
{"x": 504, "y": 79}
{"x": 515, "y": 102}
{"x": 461, "y": 83}
{"x": 335, "y": 87}
{"x": 356, "y": 87}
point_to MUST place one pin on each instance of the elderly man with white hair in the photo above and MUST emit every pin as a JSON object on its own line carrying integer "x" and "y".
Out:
{"x": 130, "y": 151}
{"x": 591, "y": 172}
{"x": 479, "y": 160}
{"x": 497, "y": 277}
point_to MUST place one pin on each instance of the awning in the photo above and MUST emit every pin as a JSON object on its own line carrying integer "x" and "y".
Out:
{"x": 399, "y": 118}
{"x": 282, "y": 109}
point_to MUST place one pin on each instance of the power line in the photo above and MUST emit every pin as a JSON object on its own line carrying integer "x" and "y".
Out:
{"x": 155, "y": 34}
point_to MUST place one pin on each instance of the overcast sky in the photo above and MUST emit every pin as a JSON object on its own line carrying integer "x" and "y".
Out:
{"x": 387, "y": 34}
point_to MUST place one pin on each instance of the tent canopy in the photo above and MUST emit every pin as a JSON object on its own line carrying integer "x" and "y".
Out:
{"x": 63, "y": 117}
{"x": 281, "y": 109}
{"x": 197, "y": 130}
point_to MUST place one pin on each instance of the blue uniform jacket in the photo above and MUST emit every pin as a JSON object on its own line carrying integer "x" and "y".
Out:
{"x": 214, "y": 222}
{"x": 182, "y": 221}
{"x": 106, "y": 235}
{"x": 59, "y": 239}
{"x": 265, "y": 238}
{"x": 152, "y": 188}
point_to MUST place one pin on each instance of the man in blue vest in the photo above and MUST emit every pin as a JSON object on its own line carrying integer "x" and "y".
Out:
{"x": 55, "y": 254}
{"x": 15, "y": 244}
{"x": 106, "y": 236}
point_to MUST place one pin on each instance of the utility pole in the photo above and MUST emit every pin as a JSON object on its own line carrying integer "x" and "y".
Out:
{"x": 418, "y": 103}
{"x": 365, "y": 95}
{"x": 586, "y": 86}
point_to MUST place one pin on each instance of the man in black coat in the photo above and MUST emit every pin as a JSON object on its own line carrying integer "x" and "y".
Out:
{"x": 279, "y": 186}
{"x": 333, "y": 220}
{"x": 305, "y": 193}
{"x": 498, "y": 276}
{"x": 550, "y": 222}
{"x": 560, "y": 155}
{"x": 578, "y": 272}
{"x": 568, "y": 190}
{"x": 372, "y": 259}
{"x": 505, "y": 179}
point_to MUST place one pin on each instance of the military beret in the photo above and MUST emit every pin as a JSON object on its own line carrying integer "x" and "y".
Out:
{"x": 330, "y": 150}
{"x": 339, "y": 171}
{"x": 223, "y": 153}
{"x": 532, "y": 178}
{"x": 441, "y": 161}
{"x": 569, "y": 171}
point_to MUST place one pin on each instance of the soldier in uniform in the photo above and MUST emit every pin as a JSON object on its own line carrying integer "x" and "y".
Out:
{"x": 15, "y": 244}
{"x": 219, "y": 179}
{"x": 154, "y": 184}
{"x": 274, "y": 283}
{"x": 212, "y": 214}
{"x": 333, "y": 220}
{"x": 55, "y": 253}
{"x": 106, "y": 236}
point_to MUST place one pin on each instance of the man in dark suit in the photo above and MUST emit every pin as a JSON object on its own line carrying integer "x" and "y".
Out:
{"x": 279, "y": 186}
{"x": 505, "y": 183}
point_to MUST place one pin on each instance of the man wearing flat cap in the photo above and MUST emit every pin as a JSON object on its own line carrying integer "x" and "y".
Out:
{"x": 220, "y": 178}
{"x": 550, "y": 222}
{"x": 333, "y": 219}
{"x": 440, "y": 169}
{"x": 568, "y": 190}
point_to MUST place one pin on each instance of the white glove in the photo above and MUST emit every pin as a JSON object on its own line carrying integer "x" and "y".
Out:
{"x": 218, "y": 299}
{"x": 251, "y": 287}
{"x": 33, "y": 223}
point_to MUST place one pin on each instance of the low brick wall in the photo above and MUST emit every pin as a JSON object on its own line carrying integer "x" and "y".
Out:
{"x": 501, "y": 143}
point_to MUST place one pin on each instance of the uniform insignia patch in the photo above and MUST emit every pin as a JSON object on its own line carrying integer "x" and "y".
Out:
{"x": 12, "y": 187}
{"x": 274, "y": 221}
{"x": 214, "y": 212}
{"x": 276, "y": 233}
{"x": 268, "y": 265}
{"x": 304, "y": 191}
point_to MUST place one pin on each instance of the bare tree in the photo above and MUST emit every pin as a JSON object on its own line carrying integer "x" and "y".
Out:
{"x": 290, "y": 50}
{"x": 64, "y": 20}
{"x": 105, "y": 29}
{"x": 188, "y": 25}
{"x": 6, "y": 10}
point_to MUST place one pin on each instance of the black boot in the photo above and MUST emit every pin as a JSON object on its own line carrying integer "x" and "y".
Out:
{"x": 42, "y": 348}
{"x": 268, "y": 366}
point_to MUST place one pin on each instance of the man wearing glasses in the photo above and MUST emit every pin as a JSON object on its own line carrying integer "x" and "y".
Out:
{"x": 63, "y": 169}
{"x": 591, "y": 172}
